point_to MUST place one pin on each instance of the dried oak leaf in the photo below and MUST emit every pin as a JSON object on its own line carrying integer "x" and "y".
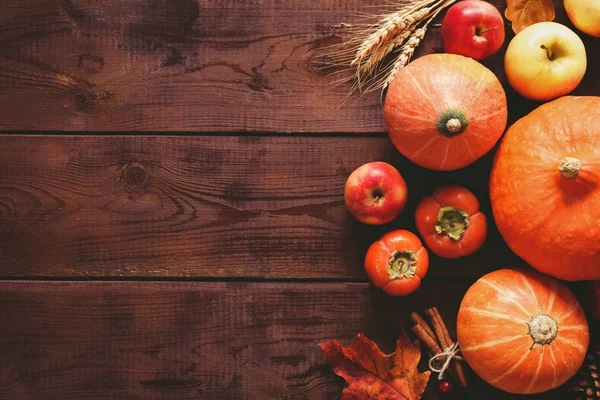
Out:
{"x": 370, "y": 374}
{"x": 523, "y": 13}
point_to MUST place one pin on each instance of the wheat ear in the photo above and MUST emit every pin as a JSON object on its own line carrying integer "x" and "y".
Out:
{"x": 394, "y": 25}
{"x": 408, "y": 49}
{"x": 381, "y": 39}
{"x": 406, "y": 52}
{"x": 384, "y": 47}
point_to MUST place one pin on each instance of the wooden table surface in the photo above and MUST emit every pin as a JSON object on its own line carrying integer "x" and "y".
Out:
{"x": 172, "y": 223}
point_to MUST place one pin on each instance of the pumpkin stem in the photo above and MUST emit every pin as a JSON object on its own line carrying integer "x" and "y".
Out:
{"x": 402, "y": 264}
{"x": 453, "y": 125}
{"x": 452, "y": 222}
{"x": 569, "y": 167}
{"x": 452, "y": 122}
{"x": 543, "y": 329}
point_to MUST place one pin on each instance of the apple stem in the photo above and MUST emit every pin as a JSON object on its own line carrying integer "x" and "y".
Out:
{"x": 377, "y": 195}
{"x": 548, "y": 52}
{"x": 486, "y": 30}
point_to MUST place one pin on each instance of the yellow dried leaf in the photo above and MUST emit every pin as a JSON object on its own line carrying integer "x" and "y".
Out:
{"x": 523, "y": 13}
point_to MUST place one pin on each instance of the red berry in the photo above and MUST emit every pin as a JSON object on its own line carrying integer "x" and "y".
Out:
{"x": 445, "y": 388}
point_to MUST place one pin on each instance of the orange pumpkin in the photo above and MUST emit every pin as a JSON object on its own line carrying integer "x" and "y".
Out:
{"x": 544, "y": 188}
{"x": 444, "y": 111}
{"x": 521, "y": 331}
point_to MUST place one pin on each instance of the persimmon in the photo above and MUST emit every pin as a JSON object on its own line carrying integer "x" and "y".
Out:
{"x": 451, "y": 223}
{"x": 397, "y": 262}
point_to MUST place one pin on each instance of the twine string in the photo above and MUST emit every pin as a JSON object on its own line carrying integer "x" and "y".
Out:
{"x": 449, "y": 354}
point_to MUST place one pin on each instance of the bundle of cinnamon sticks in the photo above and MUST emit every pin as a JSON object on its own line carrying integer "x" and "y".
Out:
{"x": 437, "y": 339}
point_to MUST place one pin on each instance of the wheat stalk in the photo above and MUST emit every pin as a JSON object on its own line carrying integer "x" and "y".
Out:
{"x": 371, "y": 44}
{"x": 390, "y": 35}
{"x": 391, "y": 26}
{"x": 410, "y": 46}
{"x": 406, "y": 52}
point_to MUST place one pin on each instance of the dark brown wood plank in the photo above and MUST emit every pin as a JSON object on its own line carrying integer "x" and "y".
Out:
{"x": 208, "y": 206}
{"x": 186, "y": 65}
{"x": 174, "y": 65}
{"x": 151, "y": 340}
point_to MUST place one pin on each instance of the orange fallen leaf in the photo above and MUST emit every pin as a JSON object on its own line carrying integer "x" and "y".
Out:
{"x": 523, "y": 13}
{"x": 370, "y": 374}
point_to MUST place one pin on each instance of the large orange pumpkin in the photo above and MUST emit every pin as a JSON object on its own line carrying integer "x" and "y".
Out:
{"x": 521, "y": 331}
{"x": 544, "y": 188}
{"x": 444, "y": 111}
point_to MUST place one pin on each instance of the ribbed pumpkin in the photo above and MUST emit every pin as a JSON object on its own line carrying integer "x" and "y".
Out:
{"x": 544, "y": 188}
{"x": 521, "y": 331}
{"x": 445, "y": 111}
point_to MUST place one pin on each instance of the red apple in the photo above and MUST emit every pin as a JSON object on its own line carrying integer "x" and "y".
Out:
{"x": 473, "y": 28}
{"x": 375, "y": 193}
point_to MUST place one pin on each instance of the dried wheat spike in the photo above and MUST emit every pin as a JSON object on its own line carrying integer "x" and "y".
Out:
{"x": 406, "y": 53}
{"x": 391, "y": 34}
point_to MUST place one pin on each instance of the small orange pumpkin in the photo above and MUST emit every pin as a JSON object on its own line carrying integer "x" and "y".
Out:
{"x": 521, "y": 331}
{"x": 545, "y": 191}
{"x": 444, "y": 111}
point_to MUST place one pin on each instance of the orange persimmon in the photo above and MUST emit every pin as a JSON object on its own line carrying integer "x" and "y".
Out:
{"x": 397, "y": 262}
{"x": 450, "y": 222}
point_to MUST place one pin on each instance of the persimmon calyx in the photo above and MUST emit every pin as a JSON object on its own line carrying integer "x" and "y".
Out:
{"x": 452, "y": 222}
{"x": 569, "y": 167}
{"x": 543, "y": 329}
{"x": 402, "y": 264}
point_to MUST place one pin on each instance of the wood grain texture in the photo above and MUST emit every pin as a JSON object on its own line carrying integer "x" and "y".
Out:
{"x": 207, "y": 206}
{"x": 184, "y": 341}
{"x": 174, "y": 65}
{"x": 193, "y": 65}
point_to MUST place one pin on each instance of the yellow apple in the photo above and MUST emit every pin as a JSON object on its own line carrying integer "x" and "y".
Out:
{"x": 585, "y": 15}
{"x": 545, "y": 61}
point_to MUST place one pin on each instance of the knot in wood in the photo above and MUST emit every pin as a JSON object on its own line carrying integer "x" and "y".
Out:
{"x": 134, "y": 174}
{"x": 91, "y": 63}
{"x": 81, "y": 100}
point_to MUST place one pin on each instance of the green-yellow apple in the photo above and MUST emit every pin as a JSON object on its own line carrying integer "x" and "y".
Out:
{"x": 545, "y": 61}
{"x": 585, "y": 15}
{"x": 375, "y": 193}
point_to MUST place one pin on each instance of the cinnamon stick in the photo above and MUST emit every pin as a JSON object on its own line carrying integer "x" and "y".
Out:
{"x": 418, "y": 320}
{"x": 443, "y": 336}
{"x": 441, "y": 332}
{"x": 459, "y": 370}
{"x": 430, "y": 341}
